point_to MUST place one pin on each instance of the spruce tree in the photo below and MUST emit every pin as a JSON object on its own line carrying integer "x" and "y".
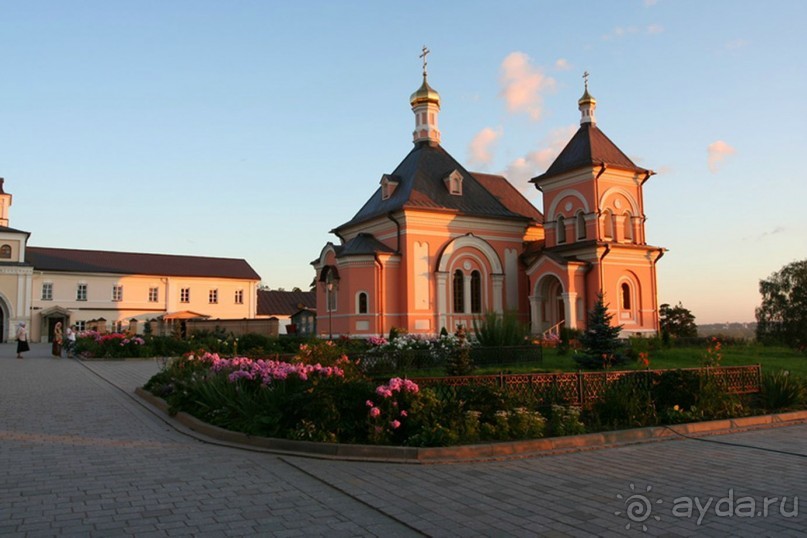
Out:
{"x": 600, "y": 341}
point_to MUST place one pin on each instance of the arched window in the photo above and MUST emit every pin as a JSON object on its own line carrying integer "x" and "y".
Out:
{"x": 5, "y": 251}
{"x": 561, "y": 227}
{"x": 476, "y": 292}
{"x": 581, "y": 225}
{"x": 625, "y": 296}
{"x": 628, "y": 227}
{"x": 361, "y": 303}
{"x": 607, "y": 224}
{"x": 459, "y": 292}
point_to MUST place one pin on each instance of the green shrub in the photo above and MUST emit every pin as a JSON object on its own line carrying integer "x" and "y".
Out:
{"x": 496, "y": 330}
{"x": 781, "y": 390}
{"x": 565, "y": 420}
{"x": 624, "y": 405}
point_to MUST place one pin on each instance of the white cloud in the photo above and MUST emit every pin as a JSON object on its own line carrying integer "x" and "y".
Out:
{"x": 480, "y": 149}
{"x": 649, "y": 3}
{"x": 522, "y": 169}
{"x": 522, "y": 85}
{"x": 717, "y": 152}
{"x": 562, "y": 64}
{"x": 654, "y": 29}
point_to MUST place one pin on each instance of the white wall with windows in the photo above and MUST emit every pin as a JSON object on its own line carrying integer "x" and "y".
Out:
{"x": 120, "y": 298}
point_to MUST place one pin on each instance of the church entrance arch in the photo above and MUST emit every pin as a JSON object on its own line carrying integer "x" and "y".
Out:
{"x": 548, "y": 306}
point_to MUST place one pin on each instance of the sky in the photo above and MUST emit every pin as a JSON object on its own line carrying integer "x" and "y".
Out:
{"x": 250, "y": 129}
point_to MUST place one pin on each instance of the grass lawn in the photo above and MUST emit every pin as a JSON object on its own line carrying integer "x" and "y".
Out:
{"x": 771, "y": 358}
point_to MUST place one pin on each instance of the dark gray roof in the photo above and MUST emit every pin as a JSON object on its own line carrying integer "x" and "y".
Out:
{"x": 100, "y": 261}
{"x": 588, "y": 147}
{"x": 363, "y": 243}
{"x": 284, "y": 303}
{"x": 13, "y": 230}
{"x": 420, "y": 186}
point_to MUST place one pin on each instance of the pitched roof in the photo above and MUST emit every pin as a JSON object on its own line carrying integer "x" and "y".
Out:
{"x": 363, "y": 243}
{"x": 588, "y": 147}
{"x": 285, "y": 303}
{"x": 420, "y": 178}
{"x": 509, "y": 195}
{"x": 100, "y": 261}
{"x": 13, "y": 230}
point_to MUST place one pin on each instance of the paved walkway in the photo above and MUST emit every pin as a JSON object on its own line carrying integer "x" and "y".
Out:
{"x": 81, "y": 456}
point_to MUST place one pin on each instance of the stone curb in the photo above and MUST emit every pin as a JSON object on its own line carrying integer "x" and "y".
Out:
{"x": 478, "y": 452}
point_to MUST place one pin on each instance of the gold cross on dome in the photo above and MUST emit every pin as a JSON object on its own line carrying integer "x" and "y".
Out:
{"x": 585, "y": 79}
{"x": 423, "y": 55}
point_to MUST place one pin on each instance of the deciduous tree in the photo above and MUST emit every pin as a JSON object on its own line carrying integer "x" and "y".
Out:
{"x": 782, "y": 317}
{"x": 677, "y": 321}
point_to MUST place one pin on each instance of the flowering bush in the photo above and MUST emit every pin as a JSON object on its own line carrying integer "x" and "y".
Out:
{"x": 714, "y": 352}
{"x": 109, "y": 345}
{"x": 389, "y": 410}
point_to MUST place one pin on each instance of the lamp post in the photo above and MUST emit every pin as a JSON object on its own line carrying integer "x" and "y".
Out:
{"x": 331, "y": 286}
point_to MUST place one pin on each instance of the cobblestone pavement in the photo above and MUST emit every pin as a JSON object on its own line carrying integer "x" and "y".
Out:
{"x": 81, "y": 456}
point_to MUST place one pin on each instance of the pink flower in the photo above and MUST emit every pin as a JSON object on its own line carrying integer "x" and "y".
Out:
{"x": 395, "y": 424}
{"x": 374, "y": 412}
{"x": 369, "y": 403}
{"x": 404, "y": 413}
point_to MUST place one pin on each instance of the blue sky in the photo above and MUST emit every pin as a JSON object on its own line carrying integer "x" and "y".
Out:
{"x": 249, "y": 129}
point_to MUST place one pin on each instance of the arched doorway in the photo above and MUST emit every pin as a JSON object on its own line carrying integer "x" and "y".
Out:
{"x": 4, "y": 320}
{"x": 548, "y": 306}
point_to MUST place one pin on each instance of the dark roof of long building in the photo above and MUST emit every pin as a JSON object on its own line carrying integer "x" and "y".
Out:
{"x": 101, "y": 261}
{"x": 588, "y": 147}
{"x": 285, "y": 303}
{"x": 420, "y": 178}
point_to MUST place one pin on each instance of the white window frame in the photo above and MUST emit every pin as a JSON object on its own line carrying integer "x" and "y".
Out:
{"x": 239, "y": 296}
{"x": 154, "y": 294}
{"x": 117, "y": 293}
{"x": 184, "y": 295}
{"x": 47, "y": 291}
{"x": 213, "y": 296}
{"x": 81, "y": 291}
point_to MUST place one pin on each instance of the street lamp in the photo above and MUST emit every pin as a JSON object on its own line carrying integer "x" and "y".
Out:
{"x": 331, "y": 284}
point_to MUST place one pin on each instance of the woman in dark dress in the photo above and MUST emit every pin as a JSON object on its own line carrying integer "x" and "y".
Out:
{"x": 22, "y": 340}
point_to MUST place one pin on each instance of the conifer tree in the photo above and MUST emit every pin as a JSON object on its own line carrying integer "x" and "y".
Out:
{"x": 600, "y": 341}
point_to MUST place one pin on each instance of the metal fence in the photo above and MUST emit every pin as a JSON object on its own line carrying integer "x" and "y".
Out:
{"x": 405, "y": 361}
{"x": 585, "y": 388}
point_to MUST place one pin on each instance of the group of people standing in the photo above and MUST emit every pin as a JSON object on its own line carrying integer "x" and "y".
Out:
{"x": 59, "y": 337}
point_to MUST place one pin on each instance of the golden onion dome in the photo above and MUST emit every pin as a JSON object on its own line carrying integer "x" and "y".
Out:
{"x": 587, "y": 98}
{"x": 425, "y": 94}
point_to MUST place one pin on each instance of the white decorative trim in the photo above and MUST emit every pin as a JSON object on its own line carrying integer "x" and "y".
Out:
{"x": 552, "y": 212}
{"x": 620, "y": 190}
{"x": 473, "y": 242}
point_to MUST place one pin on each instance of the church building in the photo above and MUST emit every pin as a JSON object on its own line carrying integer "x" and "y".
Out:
{"x": 437, "y": 246}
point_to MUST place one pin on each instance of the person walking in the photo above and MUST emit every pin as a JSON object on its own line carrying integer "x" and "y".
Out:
{"x": 56, "y": 350}
{"x": 22, "y": 340}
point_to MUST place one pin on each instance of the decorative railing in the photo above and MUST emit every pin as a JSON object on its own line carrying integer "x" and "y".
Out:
{"x": 585, "y": 388}
{"x": 402, "y": 361}
{"x": 554, "y": 330}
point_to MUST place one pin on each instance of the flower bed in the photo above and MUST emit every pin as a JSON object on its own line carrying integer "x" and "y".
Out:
{"x": 321, "y": 395}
